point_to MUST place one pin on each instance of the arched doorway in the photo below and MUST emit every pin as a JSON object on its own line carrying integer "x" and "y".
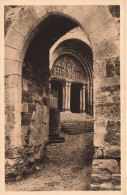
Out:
{"x": 24, "y": 29}
{"x": 73, "y": 63}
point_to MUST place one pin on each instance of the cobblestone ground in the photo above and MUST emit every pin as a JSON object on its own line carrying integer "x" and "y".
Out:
{"x": 54, "y": 178}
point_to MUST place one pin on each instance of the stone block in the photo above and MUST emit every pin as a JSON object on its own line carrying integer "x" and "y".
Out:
{"x": 25, "y": 107}
{"x": 107, "y": 30}
{"x": 11, "y": 53}
{"x": 31, "y": 108}
{"x": 13, "y": 81}
{"x": 27, "y": 97}
{"x": 26, "y": 117}
{"x": 25, "y": 85}
{"x": 112, "y": 138}
{"x": 13, "y": 95}
{"x": 113, "y": 126}
{"x": 110, "y": 70}
{"x": 106, "y": 96}
{"x": 14, "y": 152}
{"x": 107, "y": 186}
{"x": 31, "y": 87}
{"x": 100, "y": 16}
{"x": 105, "y": 166}
{"x": 112, "y": 152}
{"x": 101, "y": 52}
{"x": 101, "y": 178}
{"x": 110, "y": 88}
{"x": 26, "y": 20}
{"x": 13, "y": 67}
{"x": 108, "y": 110}
{"x": 13, "y": 107}
{"x": 10, "y": 162}
{"x": 99, "y": 68}
{"x": 117, "y": 188}
{"x": 98, "y": 153}
{"x": 14, "y": 39}
{"x": 116, "y": 179}
{"x": 109, "y": 82}
{"x": 117, "y": 66}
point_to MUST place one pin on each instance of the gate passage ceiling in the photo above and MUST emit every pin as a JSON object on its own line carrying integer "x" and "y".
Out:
{"x": 50, "y": 30}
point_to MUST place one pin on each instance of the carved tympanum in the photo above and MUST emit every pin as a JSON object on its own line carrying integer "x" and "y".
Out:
{"x": 67, "y": 67}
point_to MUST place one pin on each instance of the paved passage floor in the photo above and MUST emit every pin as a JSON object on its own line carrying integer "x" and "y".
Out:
{"x": 54, "y": 178}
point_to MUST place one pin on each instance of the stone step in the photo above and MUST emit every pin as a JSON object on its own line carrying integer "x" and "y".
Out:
{"x": 56, "y": 138}
{"x": 73, "y": 126}
{"x": 78, "y": 123}
{"x": 56, "y": 141}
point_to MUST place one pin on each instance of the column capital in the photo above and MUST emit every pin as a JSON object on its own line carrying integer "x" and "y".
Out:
{"x": 68, "y": 83}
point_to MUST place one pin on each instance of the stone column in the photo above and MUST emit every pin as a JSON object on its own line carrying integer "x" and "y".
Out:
{"x": 91, "y": 98}
{"x": 83, "y": 97}
{"x": 13, "y": 106}
{"x": 66, "y": 96}
{"x": 88, "y": 99}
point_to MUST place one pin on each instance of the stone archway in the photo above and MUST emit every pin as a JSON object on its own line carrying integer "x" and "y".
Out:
{"x": 102, "y": 33}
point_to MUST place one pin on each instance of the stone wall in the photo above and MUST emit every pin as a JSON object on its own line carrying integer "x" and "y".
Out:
{"x": 34, "y": 124}
{"x": 107, "y": 124}
{"x": 106, "y": 163}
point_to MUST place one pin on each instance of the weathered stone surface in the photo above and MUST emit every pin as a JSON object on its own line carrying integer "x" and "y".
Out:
{"x": 98, "y": 152}
{"x": 112, "y": 138}
{"x": 25, "y": 107}
{"x": 12, "y": 53}
{"x": 117, "y": 187}
{"x": 116, "y": 179}
{"x": 103, "y": 187}
{"x": 117, "y": 66}
{"x": 104, "y": 31}
{"x": 101, "y": 178}
{"x": 108, "y": 110}
{"x": 31, "y": 108}
{"x": 13, "y": 95}
{"x": 112, "y": 152}
{"x": 12, "y": 67}
{"x": 113, "y": 126}
{"x": 104, "y": 166}
{"x": 107, "y": 94}
{"x": 26, "y": 18}
{"x": 100, "y": 68}
{"x": 110, "y": 70}
{"x": 113, "y": 49}
{"x": 13, "y": 153}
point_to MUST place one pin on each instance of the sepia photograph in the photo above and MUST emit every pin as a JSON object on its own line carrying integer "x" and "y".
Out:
{"x": 62, "y": 97}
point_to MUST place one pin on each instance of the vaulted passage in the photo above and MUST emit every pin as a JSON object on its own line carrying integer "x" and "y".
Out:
{"x": 65, "y": 87}
{"x": 60, "y": 63}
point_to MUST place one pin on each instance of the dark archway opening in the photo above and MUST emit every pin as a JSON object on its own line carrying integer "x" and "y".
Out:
{"x": 75, "y": 98}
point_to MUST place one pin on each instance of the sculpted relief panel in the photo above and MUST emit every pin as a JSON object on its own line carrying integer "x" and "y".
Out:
{"x": 66, "y": 67}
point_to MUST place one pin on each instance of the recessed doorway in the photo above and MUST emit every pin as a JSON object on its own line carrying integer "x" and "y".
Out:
{"x": 75, "y": 98}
